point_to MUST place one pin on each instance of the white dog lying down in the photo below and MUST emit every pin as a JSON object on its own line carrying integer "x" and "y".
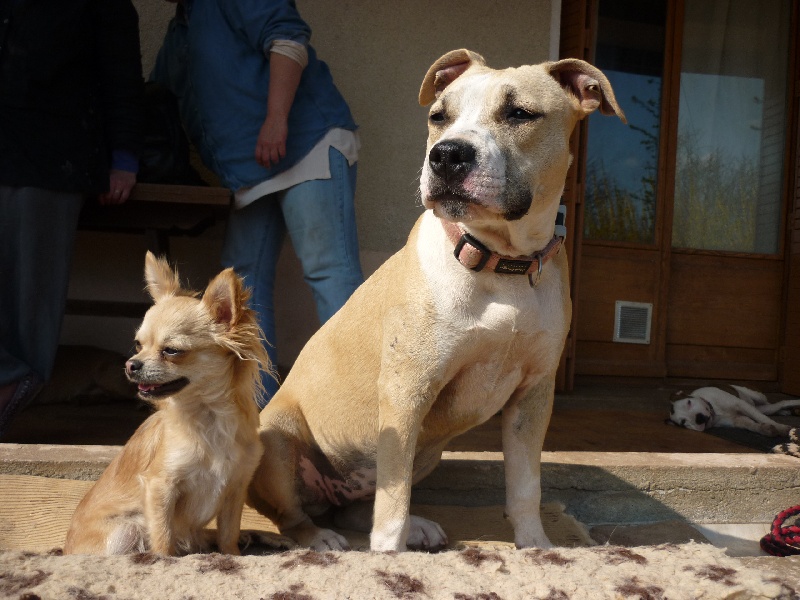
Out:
{"x": 729, "y": 406}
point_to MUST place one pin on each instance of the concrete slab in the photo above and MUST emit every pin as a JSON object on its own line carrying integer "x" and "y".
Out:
{"x": 595, "y": 487}
{"x": 630, "y": 487}
{"x": 59, "y": 461}
{"x": 738, "y": 539}
{"x": 663, "y": 532}
{"x": 36, "y": 513}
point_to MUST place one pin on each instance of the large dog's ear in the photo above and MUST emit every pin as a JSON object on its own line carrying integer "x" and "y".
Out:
{"x": 161, "y": 280}
{"x": 224, "y": 298}
{"x": 588, "y": 84}
{"x": 444, "y": 71}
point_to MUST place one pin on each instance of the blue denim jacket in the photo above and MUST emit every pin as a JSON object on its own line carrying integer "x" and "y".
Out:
{"x": 215, "y": 60}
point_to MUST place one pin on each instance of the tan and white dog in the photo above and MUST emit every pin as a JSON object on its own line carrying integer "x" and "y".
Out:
{"x": 434, "y": 344}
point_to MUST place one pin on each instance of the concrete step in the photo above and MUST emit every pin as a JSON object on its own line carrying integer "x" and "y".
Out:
{"x": 632, "y": 487}
{"x": 594, "y": 487}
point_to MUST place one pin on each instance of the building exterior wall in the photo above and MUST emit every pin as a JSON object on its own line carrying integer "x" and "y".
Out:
{"x": 378, "y": 53}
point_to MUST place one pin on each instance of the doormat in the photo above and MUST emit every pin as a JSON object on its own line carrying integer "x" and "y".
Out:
{"x": 745, "y": 437}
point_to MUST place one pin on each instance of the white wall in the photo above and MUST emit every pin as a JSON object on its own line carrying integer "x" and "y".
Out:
{"x": 378, "y": 52}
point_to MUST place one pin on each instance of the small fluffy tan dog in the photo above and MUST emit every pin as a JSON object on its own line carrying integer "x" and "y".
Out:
{"x": 198, "y": 361}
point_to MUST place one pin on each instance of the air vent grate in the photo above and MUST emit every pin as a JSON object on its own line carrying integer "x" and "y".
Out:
{"x": 632, "y": 322}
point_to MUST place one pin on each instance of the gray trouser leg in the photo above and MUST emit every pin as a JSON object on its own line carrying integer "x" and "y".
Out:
{"x": 37, "y": 233}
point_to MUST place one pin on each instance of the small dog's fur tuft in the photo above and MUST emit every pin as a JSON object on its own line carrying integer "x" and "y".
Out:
{"x": 198, "y": 361}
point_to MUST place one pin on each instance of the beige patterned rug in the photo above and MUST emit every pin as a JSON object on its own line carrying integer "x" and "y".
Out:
{"x": 689, "y": 571}
{"x": 483, "y": 565}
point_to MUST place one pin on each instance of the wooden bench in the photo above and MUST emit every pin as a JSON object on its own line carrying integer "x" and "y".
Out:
{"x": 157, "y": 211}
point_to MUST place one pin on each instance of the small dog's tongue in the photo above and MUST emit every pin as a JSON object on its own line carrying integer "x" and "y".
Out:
{"x": 143, "y": 387}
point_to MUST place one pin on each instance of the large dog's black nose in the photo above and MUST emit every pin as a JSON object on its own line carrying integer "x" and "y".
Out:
{"x": 452, "y": 160}
{"x": 133, "y": 365}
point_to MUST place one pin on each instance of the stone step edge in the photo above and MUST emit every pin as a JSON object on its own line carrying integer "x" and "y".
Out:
{"x": 595, "y": 487}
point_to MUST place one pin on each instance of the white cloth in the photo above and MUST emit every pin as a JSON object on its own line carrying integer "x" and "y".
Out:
{"x": 315, "y": 165}
{"x": 294, "y": 50}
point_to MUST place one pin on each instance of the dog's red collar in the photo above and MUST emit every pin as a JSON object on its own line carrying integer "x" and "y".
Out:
{"x": 474, "y": 255}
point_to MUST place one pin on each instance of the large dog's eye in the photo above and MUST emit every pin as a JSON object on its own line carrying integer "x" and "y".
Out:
{"x": 520, "y": 114}
{"x": 171, "y": 352}
{"x": 437, "y": 117}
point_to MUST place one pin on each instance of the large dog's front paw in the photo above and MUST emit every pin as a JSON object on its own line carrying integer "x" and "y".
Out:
{"x": 422, "y": 535}
{"x": 542, "y": 543}
{"x": 426, "y": 535}
{"x": 531, "y": 535}
{"x": 388, "y": 537}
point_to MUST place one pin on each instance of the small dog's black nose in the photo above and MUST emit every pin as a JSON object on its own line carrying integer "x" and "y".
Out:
{"x": 452, "y": 160}
{"x": 133, "y": 365}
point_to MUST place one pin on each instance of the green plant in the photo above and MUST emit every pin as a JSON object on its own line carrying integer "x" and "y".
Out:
{"x": 615, "y": 213}
{"x": 716, "y": 199}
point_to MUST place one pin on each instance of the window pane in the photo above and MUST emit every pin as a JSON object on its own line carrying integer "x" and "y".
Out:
{"x": 622, "y": 160}
{"x": 731, "y": 125}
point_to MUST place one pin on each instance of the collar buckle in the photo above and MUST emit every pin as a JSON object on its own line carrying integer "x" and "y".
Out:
{"x": 485, "y": 253}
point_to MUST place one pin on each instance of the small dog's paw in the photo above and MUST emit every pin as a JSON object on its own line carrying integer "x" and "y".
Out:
{"x": 425, "y": 535}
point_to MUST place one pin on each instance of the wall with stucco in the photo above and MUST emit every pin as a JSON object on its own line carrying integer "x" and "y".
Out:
{"x": 378, "y": 52}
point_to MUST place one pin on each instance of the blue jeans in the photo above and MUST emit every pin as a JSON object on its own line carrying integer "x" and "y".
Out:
{"x": 319, "y": 216}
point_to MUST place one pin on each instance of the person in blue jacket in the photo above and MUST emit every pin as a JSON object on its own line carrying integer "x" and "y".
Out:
{"x": 71, "y": 127}
{"x": 266, "y": 117}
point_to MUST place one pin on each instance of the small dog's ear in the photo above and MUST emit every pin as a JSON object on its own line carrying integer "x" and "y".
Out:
{"x": 161, "y": 280}
{"x": 445, "y": 71}
{"x": 588, "y": 85}
{"x": 224, "y": 298}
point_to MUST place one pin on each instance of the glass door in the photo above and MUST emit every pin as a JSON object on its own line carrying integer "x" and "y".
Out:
{"x": 621, "y": 162}
{"x": 731, "y": 126}
{"x": 684, "y": 209}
